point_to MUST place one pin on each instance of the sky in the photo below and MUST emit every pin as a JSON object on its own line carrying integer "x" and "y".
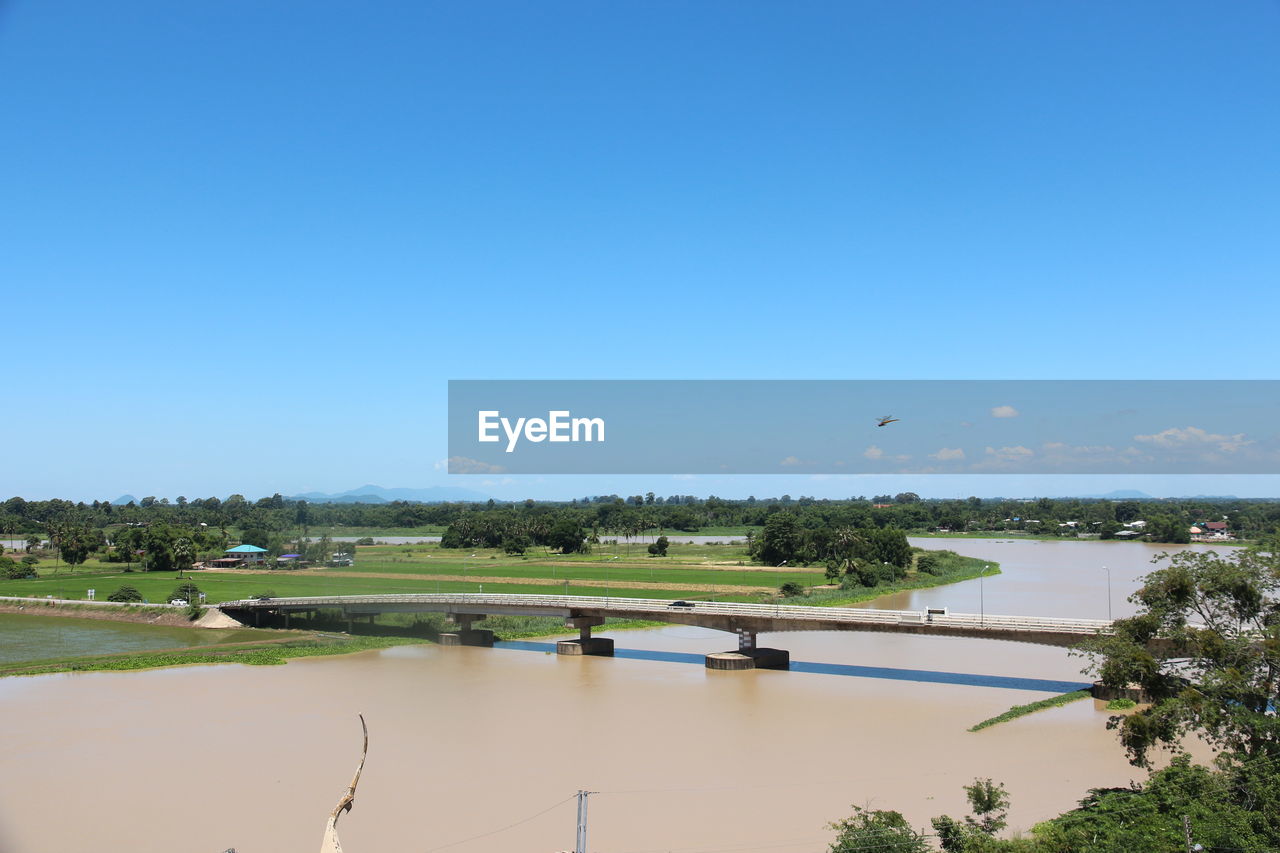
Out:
{"x": 245, "y": 245}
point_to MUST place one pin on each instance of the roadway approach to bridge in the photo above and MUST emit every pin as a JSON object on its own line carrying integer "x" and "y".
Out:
{"x": 745, "y": 620}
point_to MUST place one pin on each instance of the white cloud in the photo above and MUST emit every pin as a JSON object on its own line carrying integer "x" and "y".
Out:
{"x": 465, "y": 465}
{"x": 1016, "y": 453}
{"x": 947, "y": 454}
{"x": 873, "y": 452}
{"x": 791, "y": 461}
{"x": 1176, "y": 438}
{"x": 1004, "y": 412}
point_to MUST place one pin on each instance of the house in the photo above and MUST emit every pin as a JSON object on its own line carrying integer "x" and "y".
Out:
{"x": 290, "y": 561}
{"x": 247, "y": 554}
{"x": 1210, "y": 530}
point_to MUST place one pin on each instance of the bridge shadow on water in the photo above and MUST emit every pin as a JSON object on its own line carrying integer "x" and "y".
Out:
{"x": 924, "y": 675}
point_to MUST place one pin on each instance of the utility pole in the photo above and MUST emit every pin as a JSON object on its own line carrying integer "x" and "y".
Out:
{"x": 1186, "y": 831}
{"x": 580, "y": 843}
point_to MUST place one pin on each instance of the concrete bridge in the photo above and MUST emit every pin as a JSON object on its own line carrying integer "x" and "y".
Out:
{"x": 745, "y": 620}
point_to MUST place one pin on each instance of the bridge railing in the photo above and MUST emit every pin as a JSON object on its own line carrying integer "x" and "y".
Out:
{"x": 651, "y": 606}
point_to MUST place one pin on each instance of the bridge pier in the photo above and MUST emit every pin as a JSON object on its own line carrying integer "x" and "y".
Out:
{"x": 466, "y": 635}
{"x": 585, "y": 644}
{"x": 749, "y": 656}
{"x": 1133, "y": 692}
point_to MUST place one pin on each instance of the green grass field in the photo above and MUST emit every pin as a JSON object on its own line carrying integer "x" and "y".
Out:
{"x": 691, "y": 571}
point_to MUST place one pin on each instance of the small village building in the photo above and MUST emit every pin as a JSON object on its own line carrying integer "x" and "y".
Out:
{"x": 1207, "y": 531}
{"x": 247, "y": 554}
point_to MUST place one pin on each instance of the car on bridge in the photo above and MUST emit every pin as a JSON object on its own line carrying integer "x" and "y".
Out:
{"x": 680, "y": 603}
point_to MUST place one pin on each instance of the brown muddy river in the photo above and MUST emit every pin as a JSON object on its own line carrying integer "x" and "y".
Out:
{"x": 481, "y": 750}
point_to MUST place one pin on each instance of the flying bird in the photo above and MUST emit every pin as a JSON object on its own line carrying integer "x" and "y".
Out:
{"x": 887, "y": 419}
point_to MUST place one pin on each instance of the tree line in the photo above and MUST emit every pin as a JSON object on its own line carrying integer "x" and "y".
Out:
{"x": 1166, "y": 520}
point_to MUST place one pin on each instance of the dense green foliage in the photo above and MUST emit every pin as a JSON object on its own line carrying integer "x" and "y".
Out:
{"x": 16, "y": 570}
{"x": 1205, "y": 646}
{"x": 1225, "y": 811}
{"x": 874, "y": 829}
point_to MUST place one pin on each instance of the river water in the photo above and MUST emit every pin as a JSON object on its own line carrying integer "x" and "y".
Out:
{"x": 481, "y": 750}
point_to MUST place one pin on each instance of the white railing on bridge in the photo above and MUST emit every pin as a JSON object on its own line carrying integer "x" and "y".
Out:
{"x": 652, "y": 606}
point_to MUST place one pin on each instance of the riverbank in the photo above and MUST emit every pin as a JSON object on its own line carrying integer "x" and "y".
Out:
{"x": 264, "y": 652}
{"x": 175, "y": 617}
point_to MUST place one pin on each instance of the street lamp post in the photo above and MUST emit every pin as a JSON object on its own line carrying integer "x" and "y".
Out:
{"x": 1108, "y": 571}
{"x": 982, "y": 598}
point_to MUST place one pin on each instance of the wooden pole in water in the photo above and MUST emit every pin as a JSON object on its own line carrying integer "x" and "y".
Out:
{"x": 330, "y": 843}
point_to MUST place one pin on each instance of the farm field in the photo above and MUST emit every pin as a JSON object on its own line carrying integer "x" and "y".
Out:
{"x": 690, "y": 571}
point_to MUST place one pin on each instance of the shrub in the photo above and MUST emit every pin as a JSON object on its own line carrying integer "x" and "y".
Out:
{"x": 125, "y": 593}
{"x": 791, "y": 589}
{"x": 659, "y": 548}
{"x": 1121, "y": 704}
{"x": 14, "y": 570}
{"x": 185, "y": 592}
{"x": 365, "y": 540}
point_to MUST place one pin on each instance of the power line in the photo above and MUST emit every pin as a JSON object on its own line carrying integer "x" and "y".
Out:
{"x": 503, "y": 829}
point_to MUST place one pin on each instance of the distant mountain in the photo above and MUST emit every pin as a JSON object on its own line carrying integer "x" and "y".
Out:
{"x": 378, "y": 495}
{"x": 1123, "y": 495}
{"x": 124, "y": 499}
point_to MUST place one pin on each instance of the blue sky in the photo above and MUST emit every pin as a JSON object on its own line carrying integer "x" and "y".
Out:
{"x": 244, "y": 245}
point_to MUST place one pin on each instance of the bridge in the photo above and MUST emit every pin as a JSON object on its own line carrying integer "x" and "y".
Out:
{"x": 745, "y": 620}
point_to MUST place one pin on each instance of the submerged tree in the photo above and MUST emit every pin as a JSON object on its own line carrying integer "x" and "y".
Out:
{"x": 1205, "y": 646}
